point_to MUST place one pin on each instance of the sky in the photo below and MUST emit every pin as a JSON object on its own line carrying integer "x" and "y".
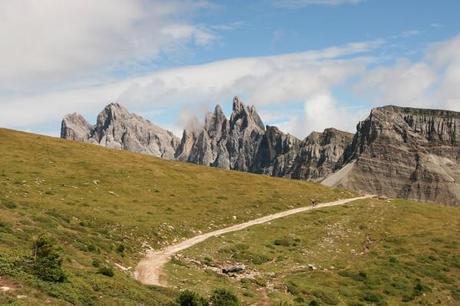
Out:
{"x": 305, "y": 64}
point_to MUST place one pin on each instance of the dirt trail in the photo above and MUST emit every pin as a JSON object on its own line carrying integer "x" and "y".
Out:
{"x": 149, "y": 271}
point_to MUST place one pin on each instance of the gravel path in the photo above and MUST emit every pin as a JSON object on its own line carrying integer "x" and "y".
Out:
{"x": 149, "y": 270}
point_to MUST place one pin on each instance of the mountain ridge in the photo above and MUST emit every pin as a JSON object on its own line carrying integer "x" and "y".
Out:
{"x": 396, "y": 151}
{"x": 119, "y": 129}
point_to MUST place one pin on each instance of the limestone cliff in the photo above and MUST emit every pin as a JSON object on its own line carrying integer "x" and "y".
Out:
{"x": 117, "y": 128}
{"x": 405, "y": 153}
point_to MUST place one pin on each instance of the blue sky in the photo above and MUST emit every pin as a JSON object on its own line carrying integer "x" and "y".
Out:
{"x": 261, "y": 28}
{"x": 305, "y": 64}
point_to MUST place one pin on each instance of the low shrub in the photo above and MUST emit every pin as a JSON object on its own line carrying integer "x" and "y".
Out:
{"x": 374, "y": 298}
{"x": 106, "y": 270}
{"x": 326, "y": 297}
{"x": 190, "y": 298}
{"x": 224, "y": 297}
{"x": 286, "y": 241}
{"x": 46, "y": 260}
{"x": 120, "y": 248}
{"x": 96, "y": 263}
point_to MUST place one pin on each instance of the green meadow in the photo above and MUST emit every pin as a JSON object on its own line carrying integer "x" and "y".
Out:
{"x": 100, "y": 209}
{"x": 371, "y": 252}
{"x": 103, "y": 208}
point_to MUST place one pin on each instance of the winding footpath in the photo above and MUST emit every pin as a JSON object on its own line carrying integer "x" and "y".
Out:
{"x": 149, "y": 270}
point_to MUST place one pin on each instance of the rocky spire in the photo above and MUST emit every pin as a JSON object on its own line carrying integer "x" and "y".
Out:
{"x": 118, "y": 129}
{"x": 75, "y": 127}
{"x": 216, "y": 122}
{"x": 245, "y": 116}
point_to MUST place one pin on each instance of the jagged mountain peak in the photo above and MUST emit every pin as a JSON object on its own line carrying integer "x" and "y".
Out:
{"x": 244, "y": 143}
{"x": 118, "y": 129}
{"x": 115, "y": 106}
{"x": 245, "y": 116}
{"x": 214, "y": 118}
{"x": 218, "y": 109}
{"x": 396, "y": 151}
{"x": 113, "y": 111}
{"x": 74, "y": 126}
{"x": 238, "y": 105}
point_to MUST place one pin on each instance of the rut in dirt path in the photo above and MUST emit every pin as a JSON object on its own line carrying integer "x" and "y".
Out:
{"x": 149, "y": 271}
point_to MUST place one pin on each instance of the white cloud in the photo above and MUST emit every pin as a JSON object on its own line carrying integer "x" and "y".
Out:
{"x": 301, "y": 3}
{"x": 322, "y": 111}
{"x": 445, "y": 57}
{"x": 53, "y": 40}
{"x": 260, "y": 80}
{"x": 431, "y": 82}
{"x": 272, "y": 82}
{"x": 404, "y": 83}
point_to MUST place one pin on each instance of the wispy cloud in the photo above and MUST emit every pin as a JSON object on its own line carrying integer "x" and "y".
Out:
{"x": 51, "y": 41}
{"x": 261, "y": 80}
{"x": 301, "y": 3}
{"x": 308, "y": 78}
{"x": 405, "y": 34}
{"x": 230, "y": 26}
{"x": 430, "y": 82}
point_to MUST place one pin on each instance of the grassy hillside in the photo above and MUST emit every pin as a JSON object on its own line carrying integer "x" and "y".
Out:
{"x": 371, "y": 252}
{"x": 104, "y": 207}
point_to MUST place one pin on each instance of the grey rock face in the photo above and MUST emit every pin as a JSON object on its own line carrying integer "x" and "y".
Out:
{"x": 405, "y": 153}
{"x": 117, "y": 128}
{"x": 396, "y": 152}
{"x": 225, "y": 143}
{"x": 242, "y": 143}
{"x": 75, "y": 127}
{"x": 245, "y": 135}
{"x": 314, "y": 158}
{"x": 321, "y": 154}
{"x": 276, "y": 153}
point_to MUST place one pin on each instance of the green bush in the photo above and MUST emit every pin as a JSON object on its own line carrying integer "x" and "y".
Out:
{"x": 5, "y": 227}
{"x": 10, "y": 205}
{"x": 190, "y": 298}
{"x": 286, "y": 241}
{"x": 46, "y": 260}
{"x": 326, "y": 297}
{"x": 292, "y": 288}
{"x": 223, "y": 297}
{"x": 105, "y": 270}
{"x": 374, "y": 298}
{"x": 92, "y": 248}
{"x": 120, "y": 249}
{"x": 96, "y": 263}
{"x": 419, "y": 288}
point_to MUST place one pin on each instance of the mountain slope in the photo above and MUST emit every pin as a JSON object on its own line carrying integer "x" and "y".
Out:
{"x": 370, "y": 252}
{"x": 107, "y": 206}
